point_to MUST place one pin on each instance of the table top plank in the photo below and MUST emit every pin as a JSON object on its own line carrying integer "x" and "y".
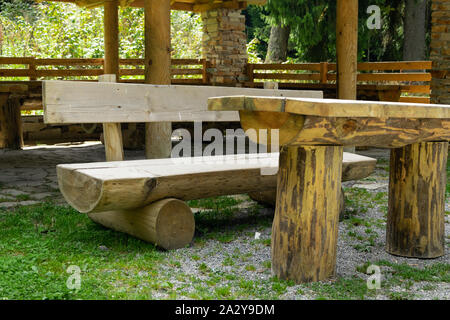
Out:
{"x": 331, "y": 107}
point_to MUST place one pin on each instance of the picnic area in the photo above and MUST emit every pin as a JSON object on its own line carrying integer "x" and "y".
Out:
{"x": 163, "y": 158}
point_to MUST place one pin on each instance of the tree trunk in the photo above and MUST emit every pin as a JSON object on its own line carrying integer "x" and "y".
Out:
{"x": 278, "y": 44}
{"x": 414, "y": 47}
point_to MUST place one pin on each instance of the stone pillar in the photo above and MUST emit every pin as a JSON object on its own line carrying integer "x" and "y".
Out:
{"x": 224, "y": 46}
{"x": 440, "y": 52}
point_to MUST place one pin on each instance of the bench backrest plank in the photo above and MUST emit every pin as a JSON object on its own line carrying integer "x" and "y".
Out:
{"x": 92, "y": 102}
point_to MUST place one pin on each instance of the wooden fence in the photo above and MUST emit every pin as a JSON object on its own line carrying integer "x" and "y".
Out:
{"x": 184, "y": 71}
{"x": 412, "y": 77}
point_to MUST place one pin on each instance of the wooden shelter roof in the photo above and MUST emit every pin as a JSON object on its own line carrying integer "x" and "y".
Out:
{"x": 186, "y": 5}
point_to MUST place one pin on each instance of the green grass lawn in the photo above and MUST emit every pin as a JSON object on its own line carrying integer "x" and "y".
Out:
{"x": 39, "y": 243}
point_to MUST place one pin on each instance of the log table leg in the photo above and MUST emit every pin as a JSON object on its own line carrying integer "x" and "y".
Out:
{"x": 415, "y": 224}
{"x": 305, "y": 226}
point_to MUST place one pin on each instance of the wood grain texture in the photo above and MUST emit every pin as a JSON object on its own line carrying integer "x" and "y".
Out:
{"x": 112, "y": 133}
{"x": 300, "y": 130}
{"x": 168, "y": 223}
{"x": 158, "y": 140}
{"x": 157, "y": 71}
{"x": 347, "y": 48}
{"x": 91, "y": 102}
{"x": 102, "y": 186}
{"x": 371, "y": 132}
{"x": 11, "y": 135}
{"x": 305, "y": 227}
{"x": 111, "y": 34}
{"x": 269, "y": 198}
{"x": 415, "y": 225}
{"x": 331, "y": 107}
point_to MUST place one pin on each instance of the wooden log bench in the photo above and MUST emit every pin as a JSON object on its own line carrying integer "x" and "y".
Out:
{"x": 132, "y": 196}
{"x": 312, "y": 134}
{"x": 145, "y": 198}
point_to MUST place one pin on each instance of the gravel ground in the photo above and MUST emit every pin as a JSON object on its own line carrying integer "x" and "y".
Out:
{"x": 27, "y": 177}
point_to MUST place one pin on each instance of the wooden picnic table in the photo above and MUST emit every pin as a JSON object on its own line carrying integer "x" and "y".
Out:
{"x": 312, "y": 134}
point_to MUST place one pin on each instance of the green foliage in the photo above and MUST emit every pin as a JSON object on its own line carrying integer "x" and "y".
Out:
{"x": 63, "y": 30}
{"x": 313, "y": 29}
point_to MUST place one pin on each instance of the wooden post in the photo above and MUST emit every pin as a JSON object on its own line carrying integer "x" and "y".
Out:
{"x": 347, "y": 50}
{"x": 157, "y": 71}
{"x": 323, "y": 72}
{"x": 32, "y": 69}
{"x": 305, "y": 227}
{"x": 205, "y": 66}
{"x": 11, "y": 135}
{"x": 415, "y": 225}
{"x": 111, "y": 33}
{"x": 250, "y": 75}
{"x": 112, "y": 132}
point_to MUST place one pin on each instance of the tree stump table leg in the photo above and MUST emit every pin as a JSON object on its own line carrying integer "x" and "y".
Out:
{"x": 305, "y": 226}
{"x": 415, "y": 224}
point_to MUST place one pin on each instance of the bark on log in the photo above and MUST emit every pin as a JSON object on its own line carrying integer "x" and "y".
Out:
{"x": 168, "y": 223}
{"x": 11, "y": 135}
{"x": 415, "y": 225}
{"x": 269, "y": 198}
{"x": 305, "y": 227}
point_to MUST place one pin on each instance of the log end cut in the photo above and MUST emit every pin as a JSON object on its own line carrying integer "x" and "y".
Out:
{"x": 81, "y": 191}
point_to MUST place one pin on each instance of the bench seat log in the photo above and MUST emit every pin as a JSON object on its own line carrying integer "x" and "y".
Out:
{"x": 312, "y": 128}
{"x": 103, "y": 186}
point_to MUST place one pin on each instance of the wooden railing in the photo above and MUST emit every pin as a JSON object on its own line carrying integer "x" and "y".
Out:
{"x": 413, "y": 77}
{"x": 184, "y": 71}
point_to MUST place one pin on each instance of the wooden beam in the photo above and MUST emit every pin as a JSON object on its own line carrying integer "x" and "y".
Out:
{"x": 158, "y": 143}
{"x": 347, "y": 51}
{"x": 347, "y": 48}
{"x": 111, "y": 33}
{"x": 96, "y": 187}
